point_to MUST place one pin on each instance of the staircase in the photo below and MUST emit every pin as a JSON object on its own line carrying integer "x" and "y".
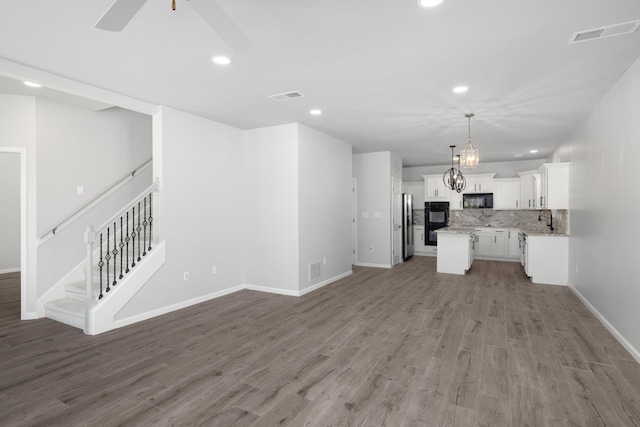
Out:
{"x": 121, "y": 256}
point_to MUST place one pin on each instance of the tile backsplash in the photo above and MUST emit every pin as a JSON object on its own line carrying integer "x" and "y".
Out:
{"x": 509, "y": 219}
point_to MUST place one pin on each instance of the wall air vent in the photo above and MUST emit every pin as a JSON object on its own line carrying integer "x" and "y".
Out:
{"x": 286, "y": 96}
{"x": 603, "y": 32}
{"x": 315, "y": 271}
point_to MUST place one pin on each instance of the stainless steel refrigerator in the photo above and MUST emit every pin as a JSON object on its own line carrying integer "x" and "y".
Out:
{"x": 407, "y": 226}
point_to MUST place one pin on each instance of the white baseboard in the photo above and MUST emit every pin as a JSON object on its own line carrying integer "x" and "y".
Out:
{"x": 184, "y": 304}
{"x": 325, "y": 283}
{"x": 626, "y": 344}
{"x": 368, "y": 264}
{"x": 30, "y": 315}
{"x": 279, "y": 291}
{"x": 10, "y": 270}
{"x": 424, "y": 254}
{"x": 177, "y": 306}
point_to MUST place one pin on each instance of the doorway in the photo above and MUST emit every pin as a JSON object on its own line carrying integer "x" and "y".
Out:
{"x": 10, "y": 226}
{"x": 13, "y": 234}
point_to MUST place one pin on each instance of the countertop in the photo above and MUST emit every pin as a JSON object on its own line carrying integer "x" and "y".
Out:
{"x": 469, "y": 230}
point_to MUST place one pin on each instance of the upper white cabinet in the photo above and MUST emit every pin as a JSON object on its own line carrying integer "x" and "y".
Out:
{"x": 434, "y": 189}
{"x": 479, "y": 183}
{"x": 416, "y": 189}
{"x": 529, "y": 189}
{"x": 455, "y": 201}
{"x": 506, "y": 193}
{"x": 554, "y": 186}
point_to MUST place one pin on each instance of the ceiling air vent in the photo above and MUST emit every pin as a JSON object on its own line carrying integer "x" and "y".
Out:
{"x": 603, "y": 32}
{"x": 286, "y": 96}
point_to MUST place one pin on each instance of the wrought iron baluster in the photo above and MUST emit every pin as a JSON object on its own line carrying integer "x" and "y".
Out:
{"x": 133, "y": 236}
{"x": 108, "y": 257}
{"x": 144, "y": 230}
{"x": 121, "y": 247}
{"x": 100, "y": 265}
{"x": 138, "y": 229}
{"x": 115, "y": 254}
{"x": 126, "y": 239}
{"x": 150, "y": 220}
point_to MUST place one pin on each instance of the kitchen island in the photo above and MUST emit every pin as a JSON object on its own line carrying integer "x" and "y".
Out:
{"x": 544, "y": 255}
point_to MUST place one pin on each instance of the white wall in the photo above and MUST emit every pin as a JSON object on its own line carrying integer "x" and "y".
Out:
{"x": 200, "y": 213}
{"x": 373, "y": 175}
{"x": 271, "y": 207}
{"x": 324, "y": 193}
{"x": 501, "y": 169}
{"x": 9, "y": 211}
{"x": 603, "y": 152}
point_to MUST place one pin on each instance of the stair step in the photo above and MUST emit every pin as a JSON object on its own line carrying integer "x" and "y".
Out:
{"x": 67, "y": 311}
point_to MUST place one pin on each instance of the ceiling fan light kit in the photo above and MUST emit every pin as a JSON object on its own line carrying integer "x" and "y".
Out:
{"x": 122, "y": 11}
{"x": 469, "y": 155}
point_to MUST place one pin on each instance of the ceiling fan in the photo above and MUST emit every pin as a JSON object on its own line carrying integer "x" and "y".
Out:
{"x": 122, "y": 11}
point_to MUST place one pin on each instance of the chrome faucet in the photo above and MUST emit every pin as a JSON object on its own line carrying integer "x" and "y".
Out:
{"x": 550, "y": 217}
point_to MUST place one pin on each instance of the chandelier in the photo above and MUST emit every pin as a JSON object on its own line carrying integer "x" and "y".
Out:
{"x": 453, "y": 178}
{"x": 469, "y": 155}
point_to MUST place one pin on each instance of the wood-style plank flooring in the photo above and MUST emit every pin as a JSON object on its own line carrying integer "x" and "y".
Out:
{"x": 400, "y": 347}
{"x": 9, "y": 298}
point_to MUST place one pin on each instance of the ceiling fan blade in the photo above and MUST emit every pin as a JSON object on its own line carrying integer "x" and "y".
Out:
{"x": 222, "y": 24}
{"x": 119, "y": 14}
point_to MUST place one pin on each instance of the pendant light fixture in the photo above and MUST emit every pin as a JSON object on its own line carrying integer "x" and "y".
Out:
{"x": 453, "y": 178}
{"x": 469, "y": 155}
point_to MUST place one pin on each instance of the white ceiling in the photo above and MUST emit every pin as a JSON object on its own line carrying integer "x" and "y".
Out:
{"x": 381, "y": 70}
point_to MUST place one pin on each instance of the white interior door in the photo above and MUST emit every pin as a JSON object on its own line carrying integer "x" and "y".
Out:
{"x": 396, "y": 221}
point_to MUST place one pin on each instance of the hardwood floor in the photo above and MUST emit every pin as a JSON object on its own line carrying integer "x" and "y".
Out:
{"x": 9, "y": 298}
{"x": 400, "y": 347}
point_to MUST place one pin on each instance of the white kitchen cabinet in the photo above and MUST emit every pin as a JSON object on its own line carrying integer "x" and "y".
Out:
{"x": 547, "y": 259}
{"x": 434, "y": 189}
{"x": 554, "y": 188}
{"x": 418, "y": 239}
{"x": 499, "y": 248}
{"x": 483, "y": 242}
{"x": 455, "y": 252}
{"x": 506, "y": 193}
{"x": 479, "y": 183}
{"x": 513, "y": 244}
{"x": 455, "y": 201}
{"x": 416, "y": 189}
{"x": 529, "y": 189}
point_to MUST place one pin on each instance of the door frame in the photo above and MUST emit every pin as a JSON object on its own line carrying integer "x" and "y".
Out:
{"x": 22, "y": 152}
{"x": 396, "y": 222}
{"x": 354, "y": 221}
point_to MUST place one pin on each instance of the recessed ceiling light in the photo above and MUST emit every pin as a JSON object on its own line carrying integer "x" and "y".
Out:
{"x": 460, "y": 89}
{"x": 221, "y": 60}
{"x": 430, "y": 3}
{"x": 315, "y": 112}
{"x": 533, "y": 151}
{"x": 32, "y": 84}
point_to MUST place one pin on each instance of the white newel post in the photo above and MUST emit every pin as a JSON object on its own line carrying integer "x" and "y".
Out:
{"x": 89, "y": 238}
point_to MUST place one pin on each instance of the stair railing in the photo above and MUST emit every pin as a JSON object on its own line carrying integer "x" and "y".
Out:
{"x": 69, "y": 219}
{"x": 127, "y": 237}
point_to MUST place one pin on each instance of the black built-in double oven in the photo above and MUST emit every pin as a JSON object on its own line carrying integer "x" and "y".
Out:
{"x": 436, "y": 215}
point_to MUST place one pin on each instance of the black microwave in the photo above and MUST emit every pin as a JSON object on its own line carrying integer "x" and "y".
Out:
{"x": 477, "y": 201}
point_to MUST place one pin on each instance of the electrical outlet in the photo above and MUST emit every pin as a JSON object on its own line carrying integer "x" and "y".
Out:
{"x": 186, "y": 276}
{"x": 80, "y": 190}
{"x": 214, "y": 269}
{"x": 324, "y": 260}
{"x": 576, "y": 268}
